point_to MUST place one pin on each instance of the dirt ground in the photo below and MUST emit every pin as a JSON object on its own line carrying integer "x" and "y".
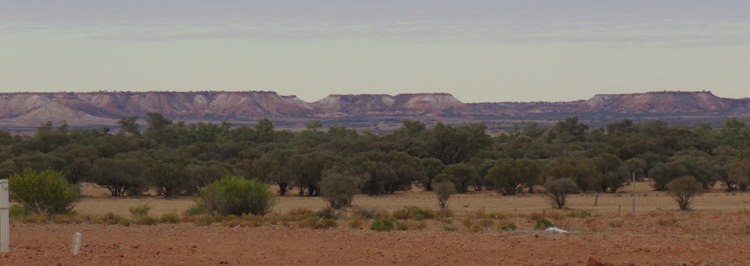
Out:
{"x": 716, "y": 233}
{"x": 708, "y": 239}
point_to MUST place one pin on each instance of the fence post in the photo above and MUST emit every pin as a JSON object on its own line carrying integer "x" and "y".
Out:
{"x": 4, "y": 216}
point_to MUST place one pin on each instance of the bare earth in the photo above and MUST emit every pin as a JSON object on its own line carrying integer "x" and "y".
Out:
{"x": 715, "y": 234}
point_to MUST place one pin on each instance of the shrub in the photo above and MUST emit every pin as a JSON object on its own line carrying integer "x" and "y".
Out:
{"x": 450, "y": 228}
{"x": 171, "y": 218}
{"x": 413, "y": 212}
{"x": 578, "y": 214}
{"x": 684, "y": 189}
{"x": 444, "y": 190}
{"x": 507, "y": 226}
{"x": 110, "y": 218}
{"x": 18, "y": 212}
{"x": 145, "y": 220}
{"x": 339, "y": 189}
{"x": 195, "y": 210}
{"x": 139, "y": 211}
{"x": 368, "y": 213}
{"x": 543, "y": 223}
{"x": 558, "y": 189}
{"x": 44, "y": 193}
{"x": 238, "y": 196}
{"x": 382, "y": 225}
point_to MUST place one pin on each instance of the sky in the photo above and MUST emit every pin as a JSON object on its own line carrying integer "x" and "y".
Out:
{"x": 477, "y": 50}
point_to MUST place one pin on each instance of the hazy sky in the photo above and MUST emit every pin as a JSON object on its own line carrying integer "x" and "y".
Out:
{"x": 477, "y": 50}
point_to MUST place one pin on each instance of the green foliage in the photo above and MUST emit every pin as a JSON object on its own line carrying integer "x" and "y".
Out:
{"x": 139, "y": 211}
{"x": 171, "y": 218}
{"x": 18, "y": 212}
{"x": 444, "y": 190}
{"x": 558, "y": 189}
{"x": 382, "y": 224}
{"x": 339, "y": 189}
{"x": 683, "y": 189}
{"x": 119, "y": 176}
{"x": 44, "y": 193}
{"x": 510, "y": 176}
{"x": 413, "y": 212}
{"x": 237, "y": 196}
{"x": 543, "y": 223}
{"x": 461, "y": 175}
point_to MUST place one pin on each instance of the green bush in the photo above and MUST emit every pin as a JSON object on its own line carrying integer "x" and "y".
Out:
{"x": 44, "y": 193}
{"x": 238, "y": 196}
{"x": 339, "y": 189}
{"x": 139, "y": 211}
{"x": 171, "y": 218}
{"x": 145, "y": 220}
{"x": 543, "y": 223}
{"x": 413, "y": 212}
{"x": 195, "y": 210}
{"x": 18, "y": 212}
{"x": 382, "y": 225}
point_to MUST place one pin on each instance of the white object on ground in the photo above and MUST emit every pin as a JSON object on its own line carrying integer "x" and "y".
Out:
{"x": 76, "y": 243}
{"x": 556, "y": 230}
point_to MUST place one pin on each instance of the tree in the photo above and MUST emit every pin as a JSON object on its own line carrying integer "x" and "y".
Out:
{"x": 129, "y": 124}
{"x": 739, "y": 173}
{"x": 170, "y": 178}
{"x": 119, "y": 176}
{"x": 444, "y": 190}
{"x": 461, "y": 175}
{"x": 44, "y": 193}
{"x": 558, "y": 189}
{"x": 432, "y": 168}
{"x": 510, "y": 176}
{"x": 612, "y": 175}
{"x": 683, "y": 189}
{"x": 339, "y": 189}
{"x": 582, "y": 172}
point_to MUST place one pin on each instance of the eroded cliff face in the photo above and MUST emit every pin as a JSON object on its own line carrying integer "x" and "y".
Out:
{"x": 105, "y": 108}
{"x": 659, "y": 102}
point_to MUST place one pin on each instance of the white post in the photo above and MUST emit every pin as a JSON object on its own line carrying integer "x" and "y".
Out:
{"x": 4, "y": 216}
{"x": 76, "y": 248}
{"x": 633, "y": 191}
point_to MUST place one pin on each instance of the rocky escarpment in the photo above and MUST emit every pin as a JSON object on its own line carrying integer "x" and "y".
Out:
{"x": 105, "y": 108}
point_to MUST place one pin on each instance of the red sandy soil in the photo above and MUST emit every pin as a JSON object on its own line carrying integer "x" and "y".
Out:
{"x": 670, "y": 238}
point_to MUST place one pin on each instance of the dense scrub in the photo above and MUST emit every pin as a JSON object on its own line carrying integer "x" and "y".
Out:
{"x": 176, "y": 159}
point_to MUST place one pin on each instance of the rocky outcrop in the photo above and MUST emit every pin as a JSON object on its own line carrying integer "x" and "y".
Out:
{"x": 105, "y": 108}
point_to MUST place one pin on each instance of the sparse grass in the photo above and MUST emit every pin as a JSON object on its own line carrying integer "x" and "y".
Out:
{"x": 507, "y": 226}
{"x": 578, "y": 214}
{"x": 667, "y": 221}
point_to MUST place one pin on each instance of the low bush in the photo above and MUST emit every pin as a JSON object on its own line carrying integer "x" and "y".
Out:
{"x": 139, "y": 211}
{"x": 578, "y": 214}
{"x": 170, "y": 218}
{"x": 145, "y": 220}
{"x": 44, "y": 193}
{"x": 382, "y": 225}
{"x": 543, "y": 223}
{"x": 507, "y": 226}
{"x": 18, "y": 212}
{"x": 368, "y": 213}
{"x": 238, "y": 196}
{"x": 339, "y": 189}
{"x": 413, "y": 212}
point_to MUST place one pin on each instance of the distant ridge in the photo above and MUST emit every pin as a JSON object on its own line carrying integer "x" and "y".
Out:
{"x": 105, "y": 107}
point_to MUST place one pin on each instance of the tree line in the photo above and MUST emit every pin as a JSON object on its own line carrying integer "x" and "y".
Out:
{"x": 178, "y": 159}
